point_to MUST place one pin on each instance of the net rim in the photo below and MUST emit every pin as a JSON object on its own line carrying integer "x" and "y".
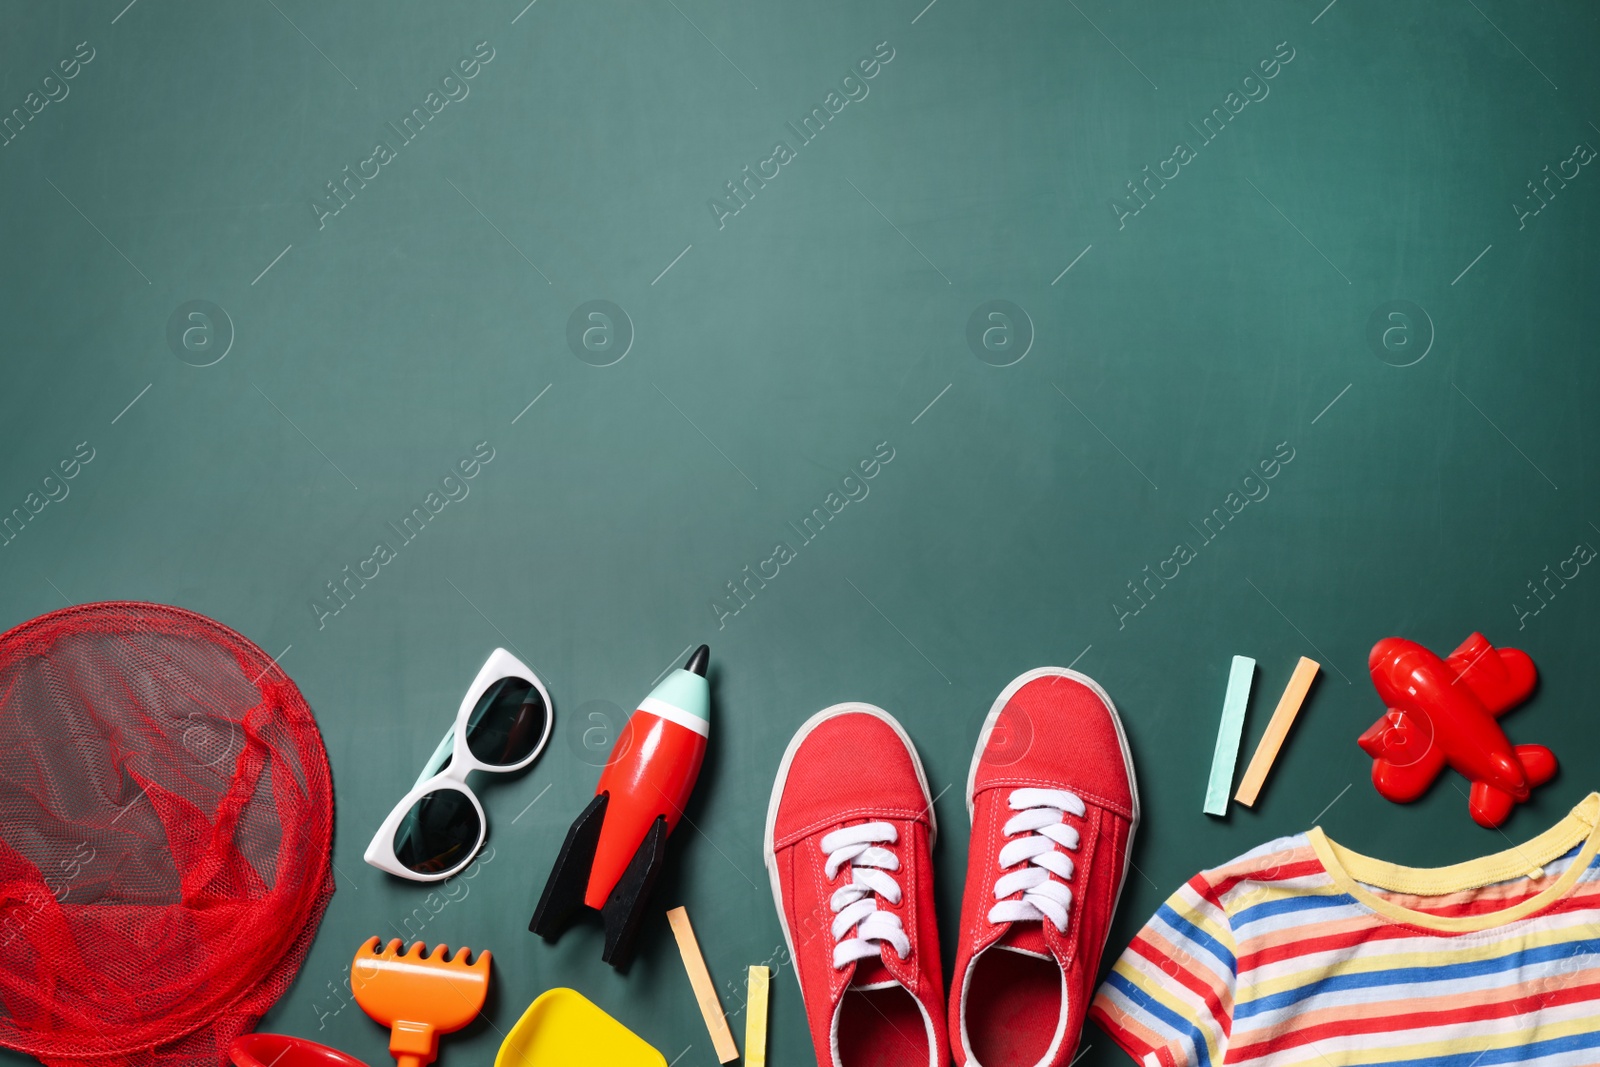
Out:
{"x": 296, "y": 943}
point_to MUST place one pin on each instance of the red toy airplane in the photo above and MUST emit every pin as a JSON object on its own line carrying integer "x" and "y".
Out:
{"x": 1443, "y": 712}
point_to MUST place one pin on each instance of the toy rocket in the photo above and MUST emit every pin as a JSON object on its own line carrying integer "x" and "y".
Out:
{"x": 614, "y": 851}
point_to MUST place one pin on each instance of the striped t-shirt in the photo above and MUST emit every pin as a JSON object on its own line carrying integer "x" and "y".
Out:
{"x": 1304, "y": 953}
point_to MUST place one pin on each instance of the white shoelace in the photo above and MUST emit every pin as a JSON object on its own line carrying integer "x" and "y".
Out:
{"x": 855, "y": 904}
{"x": 1041, "y": 816}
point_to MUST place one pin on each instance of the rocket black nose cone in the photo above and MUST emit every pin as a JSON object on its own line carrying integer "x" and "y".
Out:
{"x": 698, "y": 660}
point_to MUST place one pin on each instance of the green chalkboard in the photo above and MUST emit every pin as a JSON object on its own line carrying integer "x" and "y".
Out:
{"x": 672, "y": 269}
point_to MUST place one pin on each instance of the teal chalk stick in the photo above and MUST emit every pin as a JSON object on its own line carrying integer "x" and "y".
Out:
{"x": 1229, "y": 733}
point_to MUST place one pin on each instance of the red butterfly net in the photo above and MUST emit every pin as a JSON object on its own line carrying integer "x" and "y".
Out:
{"x": 166, "y": 817}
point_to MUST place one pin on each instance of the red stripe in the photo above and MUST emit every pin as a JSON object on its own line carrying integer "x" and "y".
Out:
{"x": 1369, "y": 932}
{"x": 1221, "y": 1014}
{"x": 1268, "y": 873}
{"x": 1285, "y": 945}
{"x": 1296, "y": 1033}
{"x": 1208, "y": 892}
{"x": 1477, "y": 905}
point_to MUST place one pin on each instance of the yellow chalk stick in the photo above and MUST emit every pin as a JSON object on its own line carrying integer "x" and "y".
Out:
{"x": 755, "y": 1023}
{"x": 1294, "y": 694}
{"x": 704, "y": 992}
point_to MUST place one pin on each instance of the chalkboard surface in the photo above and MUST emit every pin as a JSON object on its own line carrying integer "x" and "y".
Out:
{"x": 1078, "y": 273}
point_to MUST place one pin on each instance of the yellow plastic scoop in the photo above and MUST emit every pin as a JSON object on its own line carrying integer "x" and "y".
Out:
{"x": 563, "y": 1028}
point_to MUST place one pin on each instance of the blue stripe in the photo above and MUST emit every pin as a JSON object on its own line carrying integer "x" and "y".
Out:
{"x": 1192, "y": 933}
{"x": 1415, "y": 975}
{"x": 1289, "y": 905}
{"x": 1174, "y": 1024}
{"x": 1516, "y": 1054}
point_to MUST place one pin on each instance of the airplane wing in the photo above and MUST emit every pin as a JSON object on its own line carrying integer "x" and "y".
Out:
{"x": 1405, "y": 759}
{"x": 1501, "y": 678}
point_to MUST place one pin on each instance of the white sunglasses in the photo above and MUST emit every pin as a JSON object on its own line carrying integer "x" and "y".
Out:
{"x": 436, "y": 829}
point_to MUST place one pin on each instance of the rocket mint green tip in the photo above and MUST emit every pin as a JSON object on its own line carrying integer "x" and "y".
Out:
{"x": 687, "y": 691}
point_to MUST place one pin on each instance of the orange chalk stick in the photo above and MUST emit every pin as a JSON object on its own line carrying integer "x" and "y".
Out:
{"x": 1294, "y": 694}
{"x": 704, "y": 992}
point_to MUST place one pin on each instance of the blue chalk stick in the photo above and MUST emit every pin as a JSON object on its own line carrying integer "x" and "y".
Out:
{"x": 1229, "y": 733}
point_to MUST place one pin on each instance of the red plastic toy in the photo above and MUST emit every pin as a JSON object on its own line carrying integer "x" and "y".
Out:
{"x": 1443, "y": 712}
{"x": 280, "y": 1050}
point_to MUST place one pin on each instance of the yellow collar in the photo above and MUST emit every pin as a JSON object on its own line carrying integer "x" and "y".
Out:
{"x": 1350, "y": 870}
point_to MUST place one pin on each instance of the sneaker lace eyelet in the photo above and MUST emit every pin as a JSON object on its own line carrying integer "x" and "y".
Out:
{"x": 1034, "y": 859}
{"x": 860, "y": 928}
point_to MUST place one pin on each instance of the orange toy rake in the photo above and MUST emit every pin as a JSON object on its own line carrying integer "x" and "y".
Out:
{"x": 418, "y": 995}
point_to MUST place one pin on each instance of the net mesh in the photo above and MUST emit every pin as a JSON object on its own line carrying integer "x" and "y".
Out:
{"x": 166, "y": 818}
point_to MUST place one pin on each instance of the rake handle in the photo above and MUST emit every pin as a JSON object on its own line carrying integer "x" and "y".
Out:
{"x": 414, "y": 1044}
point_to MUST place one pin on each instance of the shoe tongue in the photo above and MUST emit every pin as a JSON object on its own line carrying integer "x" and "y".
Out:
{"x": 1026, "y": 937}
{"x": 871, "y": 972}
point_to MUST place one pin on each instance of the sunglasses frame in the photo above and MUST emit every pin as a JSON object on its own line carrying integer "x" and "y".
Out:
{"x": 450, "y": 764}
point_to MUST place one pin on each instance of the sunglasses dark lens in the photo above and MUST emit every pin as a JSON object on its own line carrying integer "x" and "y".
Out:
{"x": 508, "y": 723}
{"x": 438, "y": 833}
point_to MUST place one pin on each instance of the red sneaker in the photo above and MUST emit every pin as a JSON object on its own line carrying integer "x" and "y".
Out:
{"x": 849, "y": 841}
{"x": 1053, "y": 807}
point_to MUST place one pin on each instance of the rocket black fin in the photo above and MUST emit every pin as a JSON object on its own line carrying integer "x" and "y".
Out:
{"x": 624, "y": 909}
{"x": 569, "y": 878}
